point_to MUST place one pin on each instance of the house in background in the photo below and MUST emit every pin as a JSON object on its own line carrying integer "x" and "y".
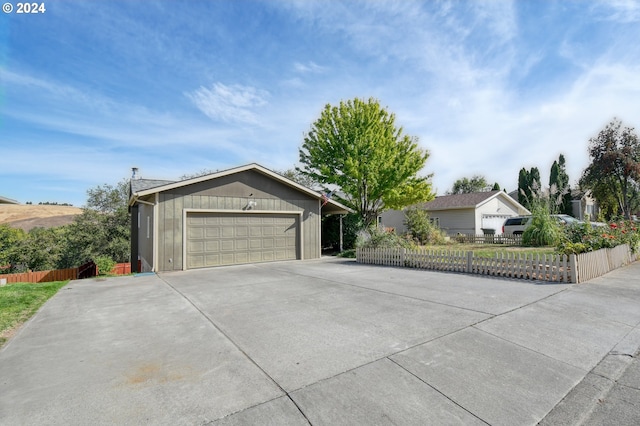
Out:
{"x": 242, "y": 215}
{"x": 473, "y": 213}
{"x": 583, "y": 205}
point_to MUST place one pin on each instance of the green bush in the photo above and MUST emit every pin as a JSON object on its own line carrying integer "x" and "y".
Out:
{"x": 105, "y": 265}
{"x": 585, "y": 237}
{"x": 383, "y": 239}
{"x": 543, "y": 230}
{"x": 421, "y": 228}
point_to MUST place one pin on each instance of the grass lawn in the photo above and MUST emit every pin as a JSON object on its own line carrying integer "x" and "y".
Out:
{"x": 19, "y": 301}
{"x": 488, "y": 250}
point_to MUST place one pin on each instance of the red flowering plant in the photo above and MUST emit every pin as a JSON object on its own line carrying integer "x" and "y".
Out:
{"x": 584, "y": 237}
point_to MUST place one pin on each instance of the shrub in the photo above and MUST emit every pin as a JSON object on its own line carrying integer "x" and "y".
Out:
{"x": 543, "y": 230}
{"x": 383, "y": 239}
{"x": 584, "y": 237}
{"x": 105, "y": 265}
{"x": 421, "y": 228}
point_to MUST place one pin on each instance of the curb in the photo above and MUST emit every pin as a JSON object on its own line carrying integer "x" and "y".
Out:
{"x": 579, "y": 404}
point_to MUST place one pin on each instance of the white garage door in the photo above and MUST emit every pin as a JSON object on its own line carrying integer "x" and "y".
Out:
{"x": 215, "y": 239}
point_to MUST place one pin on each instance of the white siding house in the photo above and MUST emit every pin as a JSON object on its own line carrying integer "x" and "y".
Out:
{"x": 473, "y": 213}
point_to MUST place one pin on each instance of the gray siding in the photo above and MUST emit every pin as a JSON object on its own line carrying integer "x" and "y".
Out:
{"x": 231, "y": 193}
{"x": 145, "y": 237}
{"x": 456, "y": 221}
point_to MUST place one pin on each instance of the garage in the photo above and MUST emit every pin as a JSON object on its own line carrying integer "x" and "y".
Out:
{"x": 242, "y": 215}
{"x": 217, "y": 239}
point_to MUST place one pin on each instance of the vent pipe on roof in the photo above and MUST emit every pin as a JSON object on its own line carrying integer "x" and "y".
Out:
{"x": 134, "y": 173}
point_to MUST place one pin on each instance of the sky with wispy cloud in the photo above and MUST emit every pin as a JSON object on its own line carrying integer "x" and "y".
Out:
{"x": 89, "y": 89}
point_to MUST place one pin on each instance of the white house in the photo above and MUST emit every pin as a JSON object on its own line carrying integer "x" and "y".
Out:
{"x": 473, "y": 213}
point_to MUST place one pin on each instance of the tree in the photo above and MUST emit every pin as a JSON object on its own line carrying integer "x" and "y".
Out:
{"x": 103, "y": 228}
{"x": 10, "y": 240}
{"x": 465, "y": 185}
{"x": 356, "y": 147}
{"x": 422, "y": 228}
{"x": 496, "y": 187}
{"x": 299, "y": 177}
{"x": 528, "y": 186}
{"x": 41, "y": 250}
{"x": 615, "y": 167}
{"x": 559, "y": 188}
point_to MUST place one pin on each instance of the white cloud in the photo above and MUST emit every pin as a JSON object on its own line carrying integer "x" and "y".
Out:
{"x": 309, "y": 67}
{"x": 235, "y": 103}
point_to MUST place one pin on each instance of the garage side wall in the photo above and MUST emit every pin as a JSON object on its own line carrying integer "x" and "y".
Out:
{"x": 206, "y": 196}
{"x": 145, "y": 236}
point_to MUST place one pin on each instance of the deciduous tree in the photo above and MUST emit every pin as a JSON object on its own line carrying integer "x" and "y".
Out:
{"x": 615, "y": 167}
{"x": 357, "y": 148}
{"x": 465, "y": 185}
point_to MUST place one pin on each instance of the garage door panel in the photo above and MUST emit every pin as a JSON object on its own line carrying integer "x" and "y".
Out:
{"x": 211, "y": 232}
{"x": 267, "y": 243}
{"x": 196, "y": 247}
{"x": 242, "y": 231}
{"x": 211, "y": 220}
{"x": 196, "y": 221}
{"x": 212, "y": 246}
{"x": 225, "y": 239}
{"x": 195, "y": 232}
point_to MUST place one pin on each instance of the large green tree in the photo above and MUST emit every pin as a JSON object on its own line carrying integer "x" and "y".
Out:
{"x": 559, "y": 188}
{"x": 465, "y": 185}
{"x": 356, "y": 147}
{"x": 103, "y": 228}
{"x": 528, "y": 186}
{"x": 615, "y": 167}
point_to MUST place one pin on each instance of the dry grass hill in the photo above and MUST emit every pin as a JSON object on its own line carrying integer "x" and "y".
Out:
{"x": 32, "y": 216}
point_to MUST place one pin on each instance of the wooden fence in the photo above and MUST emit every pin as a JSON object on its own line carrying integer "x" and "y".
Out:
{"x": 57, "y": 275}
{"x": 558, "y": 268}
{"x": 597, "y": 263}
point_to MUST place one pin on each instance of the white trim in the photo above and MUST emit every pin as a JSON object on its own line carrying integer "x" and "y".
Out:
{"x": 231, "y": 211}
{"x": 253, "y": 166}
{"x": 145, "y": 202}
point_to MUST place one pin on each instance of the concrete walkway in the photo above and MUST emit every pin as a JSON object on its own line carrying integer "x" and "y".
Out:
{"x": 327, "y": 342}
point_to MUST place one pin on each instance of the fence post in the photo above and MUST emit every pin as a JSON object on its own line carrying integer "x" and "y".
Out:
{"x": 469, "y": 262}
{"x": 573, "y": 266}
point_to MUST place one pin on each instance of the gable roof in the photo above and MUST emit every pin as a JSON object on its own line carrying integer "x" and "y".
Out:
{"x": 138, "y": 185}
{"x": 471, "y": 200}
{"x": 145, "y": 187}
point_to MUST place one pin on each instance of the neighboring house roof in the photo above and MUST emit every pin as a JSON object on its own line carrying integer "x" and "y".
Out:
{"x": 148, "y": 186}
{"x": 470, "y": 201}
{"x": 4, "y": 200}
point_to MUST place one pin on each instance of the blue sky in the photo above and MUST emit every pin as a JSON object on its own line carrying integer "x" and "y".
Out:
{"x": 89, "y": 89}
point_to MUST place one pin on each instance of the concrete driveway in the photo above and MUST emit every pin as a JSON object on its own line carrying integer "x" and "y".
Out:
{"x": 323, "y": 342}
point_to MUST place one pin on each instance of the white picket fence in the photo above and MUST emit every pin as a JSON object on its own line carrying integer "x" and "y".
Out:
{"x": 597, "y": 263}
{"x": 558, "y": 268}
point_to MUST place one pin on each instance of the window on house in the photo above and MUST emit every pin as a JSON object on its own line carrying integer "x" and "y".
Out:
{"x": 435, "y": 221}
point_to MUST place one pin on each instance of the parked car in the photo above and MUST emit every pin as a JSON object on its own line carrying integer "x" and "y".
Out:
{"x": 516, "y": 225}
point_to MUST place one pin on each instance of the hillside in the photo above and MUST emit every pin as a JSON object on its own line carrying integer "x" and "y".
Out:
{"x": 31, "y": 216}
